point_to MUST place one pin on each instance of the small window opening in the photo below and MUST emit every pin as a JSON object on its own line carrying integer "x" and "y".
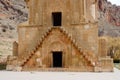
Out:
{"x": 57, "y": 18}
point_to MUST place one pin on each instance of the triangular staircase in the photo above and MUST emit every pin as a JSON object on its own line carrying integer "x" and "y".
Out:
{"x": 88, "y": 56}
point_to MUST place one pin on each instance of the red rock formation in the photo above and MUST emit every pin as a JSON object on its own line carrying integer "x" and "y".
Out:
{"x": 110, "y": 12}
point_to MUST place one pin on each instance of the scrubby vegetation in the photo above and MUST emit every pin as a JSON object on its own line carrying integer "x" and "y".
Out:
{"x": 114, "y": 48}
{"x": 117, "y": 65}
{"x": 2, "y": 66}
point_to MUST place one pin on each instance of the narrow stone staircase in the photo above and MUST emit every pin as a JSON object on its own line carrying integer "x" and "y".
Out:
{"x": 88, "y": 56}
{"x": 23, "y": 62}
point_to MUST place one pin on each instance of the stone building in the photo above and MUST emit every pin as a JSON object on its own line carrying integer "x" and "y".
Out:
{"x": 61, "y": 35}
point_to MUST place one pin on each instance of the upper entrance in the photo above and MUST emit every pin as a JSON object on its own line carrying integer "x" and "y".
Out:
{"x": 57, "y": 59}
{"x": 57, "y": 18}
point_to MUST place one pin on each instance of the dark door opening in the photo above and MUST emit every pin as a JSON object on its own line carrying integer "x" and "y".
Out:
{"x": 57, "y": 59}
{"x": 57, "y": 18}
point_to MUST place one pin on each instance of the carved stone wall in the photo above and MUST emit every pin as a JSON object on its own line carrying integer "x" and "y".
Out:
{"x": 102, "y": 47}
{"x": 72, "y": 58}
{"x": 76, "y": 37}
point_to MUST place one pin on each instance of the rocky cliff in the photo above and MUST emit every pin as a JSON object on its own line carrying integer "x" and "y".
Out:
{"x": 12, "y": 12}
{"x": 109, "y": 18}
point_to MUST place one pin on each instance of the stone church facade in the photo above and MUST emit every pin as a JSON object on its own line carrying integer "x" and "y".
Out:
{"x": 61, "y": 35}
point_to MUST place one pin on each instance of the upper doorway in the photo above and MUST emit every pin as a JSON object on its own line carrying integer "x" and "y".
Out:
{"x": 57, "y": 18}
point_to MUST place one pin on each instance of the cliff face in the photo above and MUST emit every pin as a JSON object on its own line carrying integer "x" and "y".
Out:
{"x": 12, "y": 12}
{"x": 109, "y": 18}
{"x": 110, "y": 12}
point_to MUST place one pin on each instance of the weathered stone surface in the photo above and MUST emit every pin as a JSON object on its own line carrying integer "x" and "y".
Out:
{"x": 9, "y": 67}
{"x": 110, "y": 12}
{"x": 17, "y": 68}
{"x": 102, "y": 47}
{"x": 109, "y": 18}
{"x": 72, "y": 41}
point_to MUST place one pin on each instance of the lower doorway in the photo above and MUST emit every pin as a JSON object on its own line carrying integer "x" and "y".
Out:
{"x": 57, "y": 59}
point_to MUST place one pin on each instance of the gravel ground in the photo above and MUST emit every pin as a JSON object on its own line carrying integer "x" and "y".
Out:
{"x": 7, "y": 75}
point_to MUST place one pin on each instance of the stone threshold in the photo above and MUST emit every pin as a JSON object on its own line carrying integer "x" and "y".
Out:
{"x": 58, "y": 70}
